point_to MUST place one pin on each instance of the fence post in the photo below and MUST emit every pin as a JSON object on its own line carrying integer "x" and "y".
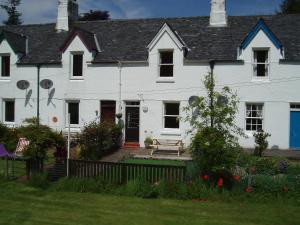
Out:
{"x": 123, "y": 173}
{"x": 6, "y": 162}
{"x": 28, "y": 164}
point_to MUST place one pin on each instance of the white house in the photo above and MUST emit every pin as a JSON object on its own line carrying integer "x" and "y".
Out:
{"x": 147, "y": 69}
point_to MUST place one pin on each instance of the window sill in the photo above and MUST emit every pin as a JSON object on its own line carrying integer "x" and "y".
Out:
{"x": 171, "y": 132}
{"x": 76, "y": 79}
{"x": 165, "y": 80}
{"x": 261, "y": 79}
{"x": 5, "y": 79}
{"x": 9, "y": 124}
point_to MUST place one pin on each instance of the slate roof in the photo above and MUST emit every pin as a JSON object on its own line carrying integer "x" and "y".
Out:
{"x": 16, "y": 41}
{"x": 126, "y": 40}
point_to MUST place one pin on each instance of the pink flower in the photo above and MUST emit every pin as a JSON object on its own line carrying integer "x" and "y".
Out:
{"x": 249, "y": 190}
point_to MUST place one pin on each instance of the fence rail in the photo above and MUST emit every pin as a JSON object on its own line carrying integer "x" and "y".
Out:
{"x": 123, "y": 172}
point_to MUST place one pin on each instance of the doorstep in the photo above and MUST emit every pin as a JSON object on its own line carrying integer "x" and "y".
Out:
{"x": 131, "y": 145}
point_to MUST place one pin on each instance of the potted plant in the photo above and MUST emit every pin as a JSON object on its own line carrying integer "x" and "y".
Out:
{"x": 148, "y": 141}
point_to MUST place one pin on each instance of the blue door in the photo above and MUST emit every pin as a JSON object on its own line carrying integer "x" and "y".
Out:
{"x": 295, "y": 130}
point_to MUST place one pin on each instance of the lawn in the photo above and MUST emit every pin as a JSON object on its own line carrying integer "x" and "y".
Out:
{"x": 155, "y": 162}
{"x": 22, "y": 205}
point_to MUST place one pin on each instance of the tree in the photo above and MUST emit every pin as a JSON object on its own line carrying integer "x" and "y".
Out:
{"x": 95, "y": 15}
{"x": 14, "y": 17}
{"x": 215, "y": 135}
{"x": 290, "y": 7}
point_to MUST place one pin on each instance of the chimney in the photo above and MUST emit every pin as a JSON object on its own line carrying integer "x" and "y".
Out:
{"x": 67, "y": 14}
{"x": 218, "y": 15}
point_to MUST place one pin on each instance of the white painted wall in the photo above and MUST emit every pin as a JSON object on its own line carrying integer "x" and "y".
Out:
{"x": 140, "y": 82}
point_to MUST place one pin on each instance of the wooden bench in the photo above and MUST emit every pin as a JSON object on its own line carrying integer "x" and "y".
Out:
{"x": 167, "y": 145}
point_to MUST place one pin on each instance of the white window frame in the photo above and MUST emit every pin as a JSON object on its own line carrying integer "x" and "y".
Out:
{"x": 249, "y": 117}
{"x": 72, "y": 54}
{"x": 164, "y": 116}
{"x": 5, "y": 77}
{"x": 254, "y": 64}
{"x": 67, "y": 113}
{"x": 168, "y": 78}
{"x": 4, "y": 111}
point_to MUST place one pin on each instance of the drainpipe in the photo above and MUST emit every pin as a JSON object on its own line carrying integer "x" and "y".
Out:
{"x": 120, "y": 86}
{"x": 211, "y": 91}
{"x": 38, "y": 94}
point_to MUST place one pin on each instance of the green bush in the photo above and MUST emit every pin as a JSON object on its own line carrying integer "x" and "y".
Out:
{"x": 98, "y": 139}
{"x": 39, "y": 180}
{"x": 8, "y": 137}
{"x": 215, "y": 154}
{"x": 83, "y": 185}
{"x": 42, "y": 138}
{"x": 139, "y": 188}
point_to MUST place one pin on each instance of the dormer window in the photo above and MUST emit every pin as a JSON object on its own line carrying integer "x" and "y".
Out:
{"x": 77, "y": 65}
{"x": 261, "y": 63}
{"x": 166, "y": 63}
{"x": 5, "y": 66}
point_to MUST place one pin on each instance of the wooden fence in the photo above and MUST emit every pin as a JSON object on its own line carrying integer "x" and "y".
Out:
{"x": 123, "y": 172}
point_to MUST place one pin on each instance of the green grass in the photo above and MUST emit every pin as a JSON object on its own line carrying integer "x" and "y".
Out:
{"x": 155, "y": 162}
{"x": 22, "y": 205}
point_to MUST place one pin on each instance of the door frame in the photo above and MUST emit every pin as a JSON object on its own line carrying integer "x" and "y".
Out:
{"x": 132, "y": 106}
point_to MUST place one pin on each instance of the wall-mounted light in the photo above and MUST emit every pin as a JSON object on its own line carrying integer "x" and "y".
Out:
{"x": 145, "y": 109}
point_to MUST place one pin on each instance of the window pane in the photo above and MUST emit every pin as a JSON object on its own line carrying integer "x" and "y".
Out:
{"x": 262, "y": 56}
{"x": 5, "y": 66}
{"x": 77, "y": 65}
{"x": 171, "y": 122}
{"x": 74, "y": 111}
{"x": 172, "y": 109}
{"x": 166, "y": 57}
{"x": 166, "y": 70}
{"x": 9, "y": 111}
{"x": 261, "y": 70}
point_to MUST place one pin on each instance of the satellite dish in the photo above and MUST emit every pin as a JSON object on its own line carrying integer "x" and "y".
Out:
{"x": 193, "y": 100}
{"x": 23, "y": 84}
{"x": 46, "y": 84}
{"x": 222, "y": 100}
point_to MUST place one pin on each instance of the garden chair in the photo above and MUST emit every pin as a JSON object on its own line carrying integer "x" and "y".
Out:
{"x": 21, "y": 147}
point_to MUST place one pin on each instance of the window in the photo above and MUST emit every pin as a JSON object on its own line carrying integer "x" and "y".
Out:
{"x": 5, "y": 66}
{"x": 77, "y": 65}
{"x": 295, "y": 107}
{"x": 9, "y": 111}
{"x": 166, "y": 64}
{"x": 73, "y": 110}
{"x": 261, "y": 63}
{"x": 171, "y": 116}
{"x": 254, "y": 117}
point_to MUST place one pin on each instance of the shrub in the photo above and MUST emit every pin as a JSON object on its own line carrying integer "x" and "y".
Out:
{"x": 8, "y": 137}
{"x": 140, "y": 188}
{"x": 98, "y": 139}
{"x": 261, "y": 142}
{"x": 215, "y": 154}
{"x": 42, "y": 138}
{"x": 39, "y": 180}
{"x": 83, "y": 185}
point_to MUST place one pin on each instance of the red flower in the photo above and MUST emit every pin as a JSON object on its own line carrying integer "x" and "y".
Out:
{"x": 205, "y": 177}
{"x": 220, "y": 182}
{"x": 249, "y": 190}
{"x": 237, "y": 178}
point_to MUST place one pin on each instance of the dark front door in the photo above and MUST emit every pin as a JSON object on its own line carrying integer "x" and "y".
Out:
{"x": 132, "y": 124}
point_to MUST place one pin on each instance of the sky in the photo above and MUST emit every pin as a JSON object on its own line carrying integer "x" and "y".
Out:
{"x": 43, "y": 11}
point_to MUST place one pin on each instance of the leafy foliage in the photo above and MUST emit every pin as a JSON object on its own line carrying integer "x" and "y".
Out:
{"x": 261, "y": 142}
{"x": 95, "y": 15}
{"x": 41, "y": 137}
{"x": 212, "y": 117}
{"x": 14, "y": 16}
{"x": 290, "y": 6}
{"x": 98, "y": 139}
{"x": 8, "y": 137}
